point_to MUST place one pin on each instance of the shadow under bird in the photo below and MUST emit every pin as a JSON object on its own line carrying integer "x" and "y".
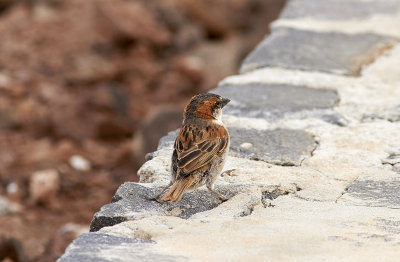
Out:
{"x": 200, "y": 148}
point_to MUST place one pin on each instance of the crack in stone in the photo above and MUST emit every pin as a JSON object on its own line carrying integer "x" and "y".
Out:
{"x": 346, "y": 188}
{"x": 316, "y": 145}
{"x": 310, "y": 199}
{"x": 370, "y": 57}
{"x": 342, "y": 193}
{"x": 267, "y": 197}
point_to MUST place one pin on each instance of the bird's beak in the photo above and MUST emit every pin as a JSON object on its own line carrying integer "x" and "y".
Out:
{"x": 224, "y": 102}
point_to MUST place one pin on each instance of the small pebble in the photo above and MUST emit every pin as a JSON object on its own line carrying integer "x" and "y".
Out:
{"x": 79, "y": 163}
{"x": 246, "y": 145}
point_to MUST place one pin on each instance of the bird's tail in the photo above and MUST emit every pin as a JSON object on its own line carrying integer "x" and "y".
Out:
{"x": 177, "y": 189}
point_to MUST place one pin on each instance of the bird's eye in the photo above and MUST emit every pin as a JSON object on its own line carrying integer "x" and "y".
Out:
{"x": 218, "y": 103}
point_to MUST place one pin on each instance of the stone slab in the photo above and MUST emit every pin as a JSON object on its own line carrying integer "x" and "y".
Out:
{"x": 330, "y": 52}
{"x": 274, "y": 101}
{"x": 374, "y": 193}
{"x": 284, "y": 147}
{"x": 132, "y": 202}
{"x": 338, "y": 9}
{"x": 108, "y": 248}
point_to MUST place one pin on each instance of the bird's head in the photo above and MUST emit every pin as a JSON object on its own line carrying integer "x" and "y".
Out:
{"x": 206, "y": 106}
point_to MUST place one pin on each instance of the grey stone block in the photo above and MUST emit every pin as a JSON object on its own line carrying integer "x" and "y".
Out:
{"x": 280, "y": 147}
{"x": 375, "y": 193}
{"x": 338, "y": 9}
{"x": 330, "y": 52}
{"x": 272, "y": 101}
{"x": 284, "y": 147}
{"x": 132, "y": 202}
{"x": 104, "y": 248}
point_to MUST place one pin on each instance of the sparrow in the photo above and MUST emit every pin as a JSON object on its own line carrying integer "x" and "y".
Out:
{"x": 200, "y": 148}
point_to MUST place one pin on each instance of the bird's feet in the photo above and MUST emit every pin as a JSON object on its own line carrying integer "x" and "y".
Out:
{"x": 221, "y": 197}
{"x": 156, "y": 197}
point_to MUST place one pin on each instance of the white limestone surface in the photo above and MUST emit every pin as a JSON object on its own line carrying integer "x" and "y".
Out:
{"x": 292, "y": 230}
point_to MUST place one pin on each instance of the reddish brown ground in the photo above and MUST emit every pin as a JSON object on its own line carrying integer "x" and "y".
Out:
{"x": 79, "y": 78}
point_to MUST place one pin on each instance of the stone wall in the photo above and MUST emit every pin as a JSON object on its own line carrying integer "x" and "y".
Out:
{"x": 315, "y": 128}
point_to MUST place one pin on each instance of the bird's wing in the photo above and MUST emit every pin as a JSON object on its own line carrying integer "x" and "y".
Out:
{"x": 197, "y": 147}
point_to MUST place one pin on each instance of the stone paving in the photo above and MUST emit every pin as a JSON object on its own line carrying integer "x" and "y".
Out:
{"x": 315, "y": 127}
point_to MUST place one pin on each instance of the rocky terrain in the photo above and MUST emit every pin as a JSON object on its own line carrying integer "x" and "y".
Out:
{"x": 87, "y": 88}
{"x": 315, "y": 128}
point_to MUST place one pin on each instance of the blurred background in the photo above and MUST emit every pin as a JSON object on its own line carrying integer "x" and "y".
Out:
{"x": 87, "y": 88}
